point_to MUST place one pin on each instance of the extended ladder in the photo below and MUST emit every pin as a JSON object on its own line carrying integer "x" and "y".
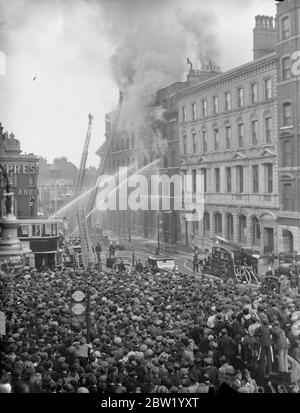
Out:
{"x": 86, "y": 245}
{"x": 104, "y": 157}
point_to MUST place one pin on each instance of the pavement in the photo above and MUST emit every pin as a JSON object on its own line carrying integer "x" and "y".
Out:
{"x": 182, "y": 255}
{"x": 143, "y": 247}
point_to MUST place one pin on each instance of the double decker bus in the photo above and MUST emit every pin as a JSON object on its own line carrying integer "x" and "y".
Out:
{"x": 43, "y": 238}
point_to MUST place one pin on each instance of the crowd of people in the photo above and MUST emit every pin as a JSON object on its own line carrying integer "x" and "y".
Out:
{"x": 149, "y": 333}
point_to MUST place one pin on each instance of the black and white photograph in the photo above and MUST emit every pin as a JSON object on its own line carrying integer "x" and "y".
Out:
{"x": 149, "y": 199}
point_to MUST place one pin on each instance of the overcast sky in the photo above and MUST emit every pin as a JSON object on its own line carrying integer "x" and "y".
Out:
{"x": 81, "y": 51}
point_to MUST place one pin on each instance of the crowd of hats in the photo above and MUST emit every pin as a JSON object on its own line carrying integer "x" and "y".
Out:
{"x": 148, "y": 332}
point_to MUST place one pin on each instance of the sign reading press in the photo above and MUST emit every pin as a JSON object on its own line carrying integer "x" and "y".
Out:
{"x": 24, "y": 169}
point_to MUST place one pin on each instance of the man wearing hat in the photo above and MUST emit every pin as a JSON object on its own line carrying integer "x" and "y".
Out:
{"x": 265, "y": 353}
{"x": 282, "y": 346}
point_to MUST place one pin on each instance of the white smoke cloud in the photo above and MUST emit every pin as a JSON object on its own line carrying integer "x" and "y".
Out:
{"x": 152, "y": 41}
{"x": 68, "y": 45}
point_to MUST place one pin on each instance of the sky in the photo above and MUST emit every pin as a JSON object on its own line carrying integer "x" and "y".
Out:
{"x": 68, "y": 58}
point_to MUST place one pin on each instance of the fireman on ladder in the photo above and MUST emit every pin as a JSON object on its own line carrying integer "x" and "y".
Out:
{"x": 98, "y": 252}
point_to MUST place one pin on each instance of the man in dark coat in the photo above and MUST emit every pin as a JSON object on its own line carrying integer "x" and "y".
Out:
{"x": 265, "y": 354}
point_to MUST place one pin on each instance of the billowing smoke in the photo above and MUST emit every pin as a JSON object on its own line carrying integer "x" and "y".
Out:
{"x": 152, "y": 41}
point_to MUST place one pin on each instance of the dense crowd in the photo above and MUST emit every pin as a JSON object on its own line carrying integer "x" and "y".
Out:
{"x": 152, "y": 333}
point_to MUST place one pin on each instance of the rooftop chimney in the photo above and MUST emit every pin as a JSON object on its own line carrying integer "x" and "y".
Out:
{"x": 264, "y": 36}
{"x": 207, "y": 71}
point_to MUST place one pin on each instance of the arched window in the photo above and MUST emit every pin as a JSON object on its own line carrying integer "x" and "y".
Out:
{"x": 218, "y": 224}
{"x": 288, "y": 241}
{"x": 242, "y": 228}
{"x": 229, "y": 227}
{"x": 255, "y": 231}
{"x": 206, "y": 224}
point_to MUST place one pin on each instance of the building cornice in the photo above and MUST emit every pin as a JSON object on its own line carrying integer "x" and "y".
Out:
{"x": 239, "y": 73}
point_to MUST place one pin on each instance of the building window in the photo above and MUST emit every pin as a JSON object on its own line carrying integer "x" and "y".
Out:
{"x": 229, "y": 234}
{"x": 255, "y": 231}
{"x": 206, "y": 223}
{"x": 241, "y": 135}
{"x": 184, "y": 114}
{"x": 287, "y": 153}
{"x": 287, "y": 114}
{"x": 242, "y": 228}
{"x": 286, "y": 68}
{"x": 268, "y": 129}
{"x": 216, "y": 139}
{"x": 173, "y": 158}
{"x": 204, "y": 108}
{"x": 254, "y": 92}
{"x": 46, "y": 230}
{"x": 255, "y": 181}
{"x": 269, "y": 178}
{"x": 53, "y": 229}
{"x": 228, "y": 179}
{"x": 287, "y": 197}
{"x": 204, "y": 174}
{"x": 228, "y": 137}
{"x": 215, "y": 104}
{"x": 204, "y": 139}
{"x": 194, "y": 142}
{"x": 227, "y": 101}
{"x": 194, "y": 180}
{"x": 240, "y": 179}
{"x": 218, "y": 224}
{"x": 194, "y": 111}
{"x": 268, "y": 88}
{"x": 285, "y": 28}
{"x": 36, "y": 230}
{"x": 184, "y": 141}
{"x": 217, "y": 179}
{"x": 23, "y": 231}
{"x": 254, "y": 132}
{"x": 240, "y": 97}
